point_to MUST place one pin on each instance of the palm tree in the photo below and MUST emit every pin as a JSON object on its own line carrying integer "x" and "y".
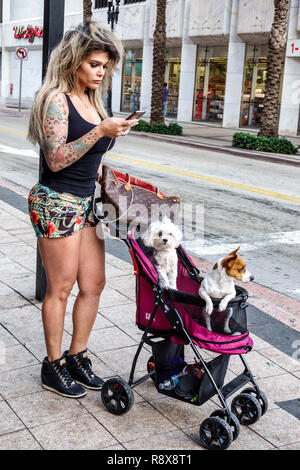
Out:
{"x": 276, "y": 56}
{"x": 158, "y": 73}
{"x": 87, "y": 11}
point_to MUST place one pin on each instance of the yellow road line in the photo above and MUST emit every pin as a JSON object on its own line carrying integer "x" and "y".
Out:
{"x": 11, "y": 131}
{"x": 209, "y": 179}
{"x": 190, "y": 174}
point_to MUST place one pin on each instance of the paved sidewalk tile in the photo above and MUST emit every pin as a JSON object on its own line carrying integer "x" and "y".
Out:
{"x": 16, "y": 357}
{"x": 44, "y": 407}
{"x": 9, "y": 419}
{"x": 174, "y": 440}
{"x": 21, "y": 382}
{"x": 19, "y": 440}
{"x": 142, "y": 421}
{"x": 82, "y": 432}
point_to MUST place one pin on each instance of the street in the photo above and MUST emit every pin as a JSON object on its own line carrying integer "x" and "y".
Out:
{"x": 227, "y": 200}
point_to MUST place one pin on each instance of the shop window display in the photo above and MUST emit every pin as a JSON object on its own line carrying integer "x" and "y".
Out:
{"x": 172, "y": 78}
{"x": 131, "y": 80}
{"x": 255, "y": 73}
{"x": 210, "y": 84}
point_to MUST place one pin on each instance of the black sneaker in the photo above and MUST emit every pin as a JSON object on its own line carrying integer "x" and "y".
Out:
{"x": 79, "y": 366}
{"x": 56, "y": 377}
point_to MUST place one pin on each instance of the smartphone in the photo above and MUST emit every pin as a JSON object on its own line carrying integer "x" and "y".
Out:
{"x": 135, "y": 115}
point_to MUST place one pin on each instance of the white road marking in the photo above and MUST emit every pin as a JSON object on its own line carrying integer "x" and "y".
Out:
{"x": 16, "y": 151}
{"x": 198, "y": 247}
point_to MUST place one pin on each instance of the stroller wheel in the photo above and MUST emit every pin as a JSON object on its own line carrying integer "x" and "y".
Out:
{"x": 117, "y": 396}
{"x": 151, "y": 367}
{"x": 232, "y": 421}
{"x": 246, "y": 408}
{"x": 261, "y": 397}
{"x": 215, "y": 433}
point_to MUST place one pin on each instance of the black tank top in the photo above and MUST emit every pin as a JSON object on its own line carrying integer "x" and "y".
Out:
{"x": 79, "y": 178}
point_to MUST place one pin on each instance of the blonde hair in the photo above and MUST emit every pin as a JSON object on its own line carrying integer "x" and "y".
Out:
{"x": 76, "y": 45}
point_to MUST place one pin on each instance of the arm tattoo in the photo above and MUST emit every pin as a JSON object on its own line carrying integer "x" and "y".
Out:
{"x": 60, "y": 154}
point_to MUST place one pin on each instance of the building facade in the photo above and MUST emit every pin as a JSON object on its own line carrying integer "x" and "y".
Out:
{"x": 215, "y": 64}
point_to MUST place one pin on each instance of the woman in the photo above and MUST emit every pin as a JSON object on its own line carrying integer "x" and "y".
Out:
{"x": 70, "y": 124}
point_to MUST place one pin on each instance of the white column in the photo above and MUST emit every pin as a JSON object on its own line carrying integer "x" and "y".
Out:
{"x": 5, "y": 53}
{"x": 146, "y": 82}
{"x": 235, "y": 71}
{"x": 117, "y": 88}
{"x": 188, "y": 70}
{"x": 290, "y": 97}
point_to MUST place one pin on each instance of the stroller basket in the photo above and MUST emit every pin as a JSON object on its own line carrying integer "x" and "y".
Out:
{"x": 169, "y": 360}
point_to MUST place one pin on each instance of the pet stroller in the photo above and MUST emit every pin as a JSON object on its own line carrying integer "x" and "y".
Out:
{"x": 171, "y": 319}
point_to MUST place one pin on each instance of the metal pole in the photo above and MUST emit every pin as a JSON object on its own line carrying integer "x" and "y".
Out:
{"x": 20, "y": 84}
{"x": 112, "y": 18}
{"x": 54, "y": 13}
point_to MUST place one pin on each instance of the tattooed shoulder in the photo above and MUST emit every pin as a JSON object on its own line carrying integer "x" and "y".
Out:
{"x": 57, "y": 108}
{"x": 56, "y": 122}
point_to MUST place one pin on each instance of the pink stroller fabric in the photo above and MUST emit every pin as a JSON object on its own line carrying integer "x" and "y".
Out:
{"x": 219, "y": 343}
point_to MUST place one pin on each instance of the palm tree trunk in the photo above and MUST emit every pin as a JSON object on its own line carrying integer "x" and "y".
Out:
{"x": 87, "y": 11}
{"x": 158, "y": 73}
{"x": 276, "y": 57}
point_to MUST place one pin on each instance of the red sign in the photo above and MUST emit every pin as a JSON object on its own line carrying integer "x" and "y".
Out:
{"x": 21, "y": 53}
{"x": 30, "y": 32}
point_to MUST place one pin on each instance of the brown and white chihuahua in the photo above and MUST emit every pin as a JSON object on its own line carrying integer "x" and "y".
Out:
{"x": 218, "y": 283}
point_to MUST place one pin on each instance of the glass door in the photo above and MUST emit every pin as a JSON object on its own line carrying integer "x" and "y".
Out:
{"x": 253, "y": 94}
{"x": 210, "y": 81}
{"x": 131, "y": 80}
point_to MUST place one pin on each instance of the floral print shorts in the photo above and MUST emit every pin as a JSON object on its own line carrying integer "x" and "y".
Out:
{"x": 56, "y": 215}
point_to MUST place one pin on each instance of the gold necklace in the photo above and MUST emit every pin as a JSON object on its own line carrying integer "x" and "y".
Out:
{"x": 87, "y": 106}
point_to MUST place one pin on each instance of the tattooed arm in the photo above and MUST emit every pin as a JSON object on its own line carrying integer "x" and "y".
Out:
{"x": 60, "y": 154}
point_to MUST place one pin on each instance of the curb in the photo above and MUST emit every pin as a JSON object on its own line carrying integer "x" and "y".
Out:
{"x": 280, "y": 159}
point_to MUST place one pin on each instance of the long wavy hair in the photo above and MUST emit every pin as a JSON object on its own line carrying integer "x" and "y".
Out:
{"x": 76, "y": 45}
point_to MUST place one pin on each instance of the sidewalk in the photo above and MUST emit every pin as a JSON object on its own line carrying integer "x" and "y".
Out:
{"x": 33, "y": 418}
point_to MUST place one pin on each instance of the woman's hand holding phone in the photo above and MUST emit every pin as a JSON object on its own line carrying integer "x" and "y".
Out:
{"x": 115, "y": 127}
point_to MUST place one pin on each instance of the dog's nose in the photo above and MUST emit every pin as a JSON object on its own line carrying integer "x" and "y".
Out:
{"x": 251, "y": 278}
{"x": 165, "y": 240}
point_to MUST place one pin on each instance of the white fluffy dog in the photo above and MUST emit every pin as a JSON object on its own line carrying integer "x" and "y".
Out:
{"x": 164, "y": 237}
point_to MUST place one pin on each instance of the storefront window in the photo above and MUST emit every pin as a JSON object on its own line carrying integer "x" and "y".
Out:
{"x": 131, "y": 80}
{"x": 210, "y": 84}
{"x": 255, "y": 73}
{"x": 199, "y": 86}
{"x": 172, "y": 80}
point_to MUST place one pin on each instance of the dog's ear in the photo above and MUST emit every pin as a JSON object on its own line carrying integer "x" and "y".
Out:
{"x": 229, "y": 260}
{"x": 147, "y": 236}
{"x": 234, "y": 252}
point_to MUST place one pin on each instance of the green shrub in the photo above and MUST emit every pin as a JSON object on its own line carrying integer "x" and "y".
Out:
{"x": 158, "y": 128}
{"x": 174, "y": 129}
{"x": 142, "y": 126}
{"x": 263, "y": 144}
